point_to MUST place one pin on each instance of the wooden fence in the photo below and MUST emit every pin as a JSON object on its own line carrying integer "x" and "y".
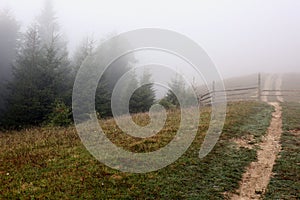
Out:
{"x": 250, "y": 93}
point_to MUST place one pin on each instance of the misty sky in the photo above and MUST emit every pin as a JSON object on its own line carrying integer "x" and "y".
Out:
{"x": 241, "y": 36}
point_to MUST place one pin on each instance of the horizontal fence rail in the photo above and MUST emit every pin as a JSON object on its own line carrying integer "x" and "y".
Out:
{"x": 250, "y": 93}
{"x": 238, "y": 94}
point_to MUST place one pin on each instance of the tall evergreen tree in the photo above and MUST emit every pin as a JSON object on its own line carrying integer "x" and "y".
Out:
{"x": 56, "y": 61}
{"x": 86, "y": 48}
{"x": 28, "y": 100}
{"x": 103, "y": 94}
{"x": 125, "y": 94}
{"x": 110, "y": 77}
{"x": 143, "y": 98}
{"x": 49, "y": 28}
{"x": 102, "y": 99}
{"x": 177, "y": 86}
{"x": 42, "y": 75}
{"x": 121, "y": 65}
{"x": 9, "y": 37}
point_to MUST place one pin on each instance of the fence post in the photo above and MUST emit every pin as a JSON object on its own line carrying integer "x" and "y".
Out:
{"x": 195, "y": 90}
{"x": 259, "y": 88}
{"x": 213, "y": 93}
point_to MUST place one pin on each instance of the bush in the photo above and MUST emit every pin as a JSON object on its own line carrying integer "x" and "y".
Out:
{"x": 167, "y": 104}
{"x": 61, "y": 114}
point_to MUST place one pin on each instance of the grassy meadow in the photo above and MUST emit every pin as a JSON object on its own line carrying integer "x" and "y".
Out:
{"x": 52, "y": 162}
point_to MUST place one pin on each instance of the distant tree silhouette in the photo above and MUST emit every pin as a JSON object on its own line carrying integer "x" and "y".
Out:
{"x": 9, "y": 36}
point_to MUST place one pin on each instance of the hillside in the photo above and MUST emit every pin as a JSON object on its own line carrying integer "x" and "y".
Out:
{"x": 53, "y": 163}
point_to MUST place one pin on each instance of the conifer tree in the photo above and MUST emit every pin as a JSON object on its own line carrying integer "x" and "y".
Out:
{"x": 28, "y": 102}
{"x": 9, "y": 37}
{"x": 41, "y": 75}
{"x": 177, "y": 87}
{"x": 103, "y": 95}
{"x": 54, "y": 48}
{"x": 143, "y": 98}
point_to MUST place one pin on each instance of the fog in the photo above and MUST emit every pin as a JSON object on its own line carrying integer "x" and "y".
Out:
{"x": 241, "y": 37}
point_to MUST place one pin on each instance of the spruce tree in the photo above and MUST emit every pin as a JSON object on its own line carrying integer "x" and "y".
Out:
{"x": 85, "y": 49}
{"x": 9, "y": 37}
{"x": 177, "y": 86}
{"x": 28, "y": 102}
{"x": 102, "y": 99}
{"x": 56, "y": 61}
{"x": 109, "y": 78}
{"x": 130, "y": 83}
{"x": 103, "y": 94}
{"x": 41, "y": 75}
{"x": 143, "y": 98}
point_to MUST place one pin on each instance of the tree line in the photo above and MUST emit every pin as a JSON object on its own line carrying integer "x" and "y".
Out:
{"x": 37, "y": 74}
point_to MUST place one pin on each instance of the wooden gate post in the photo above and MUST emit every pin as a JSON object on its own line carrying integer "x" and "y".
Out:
{"x": 259, "y": 88}
{"x": 213, "y": 93}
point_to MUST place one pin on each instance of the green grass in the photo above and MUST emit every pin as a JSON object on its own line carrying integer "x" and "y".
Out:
{"x": 286, "y": 182}
{"x": 52, "y": 163}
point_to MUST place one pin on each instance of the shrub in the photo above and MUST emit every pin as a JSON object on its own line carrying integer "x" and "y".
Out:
{"x": 167, "y": 104}
{"x": 61, "y": 114}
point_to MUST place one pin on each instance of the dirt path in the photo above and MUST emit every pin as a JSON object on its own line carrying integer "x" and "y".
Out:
{"x": 258, "y": 174}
